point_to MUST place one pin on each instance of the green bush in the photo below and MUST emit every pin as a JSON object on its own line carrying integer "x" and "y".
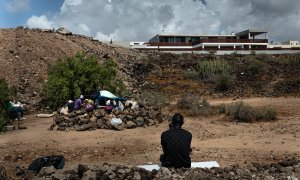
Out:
{"x": 81, "y": 74}
{"x": 154, "y": 99}
{"x": 6, "y": 94}
{"x": 194, "y": 106}
{"x": 256, "y": 67}
{"x": 268, "y": 113}
{"x": 209, "y": 69}
{"x": 193, "y": 75}
{"x": 293, "y": 60}
{"x": 242, "y": 112}
{"x": 224, "y": 81}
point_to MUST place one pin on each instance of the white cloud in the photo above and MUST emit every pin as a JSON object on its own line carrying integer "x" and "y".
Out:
{"x": 17, "y": 5}
{"x": 39, "y": 22}
{"x": 135, "y": 20}
{"x": 84, "y": 29}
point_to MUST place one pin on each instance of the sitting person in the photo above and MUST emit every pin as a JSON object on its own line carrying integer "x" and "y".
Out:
{"x": 78, "y": 103}
{"x": 176, "y": 145}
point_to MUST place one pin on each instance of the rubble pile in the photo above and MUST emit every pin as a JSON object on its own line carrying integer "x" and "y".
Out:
{"x": 287, "y": 169}
{"x": 81, "y": 120}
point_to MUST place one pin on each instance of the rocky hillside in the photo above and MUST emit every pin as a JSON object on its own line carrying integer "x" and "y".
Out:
{"x": 26, "y": 54}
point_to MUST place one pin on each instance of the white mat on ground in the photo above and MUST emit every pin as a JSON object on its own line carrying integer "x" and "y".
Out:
{"x": 207, "y": 164}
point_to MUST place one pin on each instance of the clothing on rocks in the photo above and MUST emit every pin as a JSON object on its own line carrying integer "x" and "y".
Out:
{"x": 132, "y": 104}
{"x": 15, "y": 110}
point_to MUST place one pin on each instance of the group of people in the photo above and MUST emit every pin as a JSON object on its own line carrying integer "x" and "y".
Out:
{"x": 92, "y": 102}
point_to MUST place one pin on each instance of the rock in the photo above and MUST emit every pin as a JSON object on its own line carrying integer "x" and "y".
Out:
{"x": 61, "y": 128}
{"x": 83, "y": 127}
{"x": 84, "y": 121}
{"x": 130, "y": 125}
{"x": 44, "y": 115}
{"x": 63, "y": 31}
{"x": 82, "y": 169}
{"x": 121, "y": 171}
{"x": 79, "y": 112}
{"x": 137, "y": 176}
{"x": 58, "y": 176}
{"x": 93, "y": 119}
{"x": 119, "y": 127}
{"x": 9, "y": 128}
{"x": 269, "y": 178}
{"x": 47, "y": 171}
{"x": 72, "y": 115}
{"x": 129, "y": 117}
{"x": 165, "y": 171}
{"x": 89, "y": 175}
{"x": 140, "y": 121}
{"x": 150, "y": 122}
{"x": 58, "y": 119}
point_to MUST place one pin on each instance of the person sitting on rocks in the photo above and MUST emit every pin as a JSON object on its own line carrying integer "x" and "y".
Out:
{"x": 78, "y": 103}
{"x": 176, "y": 145}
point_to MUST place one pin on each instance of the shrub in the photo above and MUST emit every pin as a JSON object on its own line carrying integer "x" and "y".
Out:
{"x": 293, "y": 60}
{"x": 194, "y": 106}
{"x": 81, "y": 74}
{"x": 209, "y": 69}
{"x": 268, "y": 113}
{"x": 224, "y": 81}
{"x": 6, "y": 93}
{"x": 256, "y": 67}
{"x": 193, "y": 75}
{"x": 153, "y": 99}
{"x": 242, "y": 112}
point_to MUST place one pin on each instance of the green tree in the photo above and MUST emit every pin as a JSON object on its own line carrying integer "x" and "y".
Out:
{"x": 81, "y": 74}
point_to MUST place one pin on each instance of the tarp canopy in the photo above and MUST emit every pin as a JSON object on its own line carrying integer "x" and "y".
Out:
{"x": 107, "y": 94}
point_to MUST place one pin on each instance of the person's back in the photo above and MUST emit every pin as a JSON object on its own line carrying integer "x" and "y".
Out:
{"x": 78, "y": 103}
{"x": 176, "y": 144}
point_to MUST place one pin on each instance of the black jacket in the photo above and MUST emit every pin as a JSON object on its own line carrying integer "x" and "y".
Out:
{"x": 176, "y": 144}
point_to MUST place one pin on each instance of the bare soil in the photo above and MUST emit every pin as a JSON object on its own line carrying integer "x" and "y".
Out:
{"x": 213, "y": 139}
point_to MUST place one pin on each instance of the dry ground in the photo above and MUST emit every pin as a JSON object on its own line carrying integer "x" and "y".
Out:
{"x": 213, "y": 139}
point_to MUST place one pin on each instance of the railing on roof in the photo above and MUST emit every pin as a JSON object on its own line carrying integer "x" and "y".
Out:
{"x": 170, "y": 44}
{"x": 208, "y": 41}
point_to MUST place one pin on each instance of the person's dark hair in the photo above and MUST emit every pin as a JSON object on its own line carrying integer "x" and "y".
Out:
{"x": 177, "y": 120}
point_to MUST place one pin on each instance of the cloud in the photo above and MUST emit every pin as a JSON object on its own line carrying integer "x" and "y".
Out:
{"x": 136, "y": 20}
{"x": 40, "y": 22}
{"x": 17, "y": 6}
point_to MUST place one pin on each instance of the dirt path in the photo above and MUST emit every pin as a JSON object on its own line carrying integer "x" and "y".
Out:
{"x": 213, "y": 139}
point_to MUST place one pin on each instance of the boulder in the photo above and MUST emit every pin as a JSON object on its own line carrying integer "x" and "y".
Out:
{"x": 63, "y": 31}
{"x": 89, "y": 175}
{"x": 129, "y": 117}
{"x": 83, "y": 127}
{"x": 140, "y": 121}
{"x": 93, "y": 119}
{"x": 58, "y": 177}
{"x": 119, "y": 127}
{"x": 130, "y": 125}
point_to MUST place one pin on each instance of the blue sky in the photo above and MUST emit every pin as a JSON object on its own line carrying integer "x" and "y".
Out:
{"x": 140, "y": 20}
{"x": 14, "y": 13}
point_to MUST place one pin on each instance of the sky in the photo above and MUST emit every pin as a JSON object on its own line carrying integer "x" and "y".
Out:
{"x": 139, "y": 20}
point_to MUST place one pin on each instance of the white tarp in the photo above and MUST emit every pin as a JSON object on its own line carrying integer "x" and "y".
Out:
{"x": 207, "y": 164}
{"x": 107, "y": 94}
